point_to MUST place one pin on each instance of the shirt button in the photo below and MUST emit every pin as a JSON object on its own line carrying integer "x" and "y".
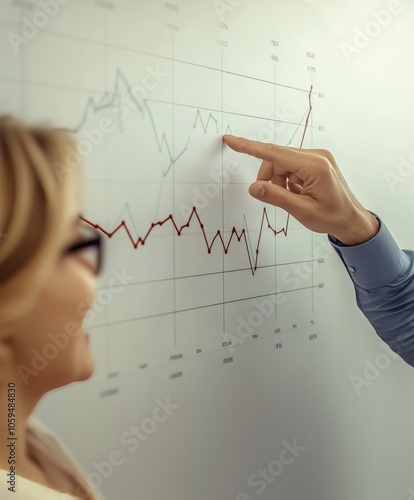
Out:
{"x": 352, "y": 269}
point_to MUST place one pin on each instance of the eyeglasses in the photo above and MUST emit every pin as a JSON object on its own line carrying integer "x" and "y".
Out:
{"x": 91, "y": 247}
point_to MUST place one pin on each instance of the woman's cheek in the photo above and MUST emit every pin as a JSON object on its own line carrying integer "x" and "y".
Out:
{"x": 51, "y": 338}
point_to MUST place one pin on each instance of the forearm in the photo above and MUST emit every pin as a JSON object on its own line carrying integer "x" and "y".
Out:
{"x": 392, "y": 318}
{"x": 362, "y": 227}
{"x": 383, "y": 277}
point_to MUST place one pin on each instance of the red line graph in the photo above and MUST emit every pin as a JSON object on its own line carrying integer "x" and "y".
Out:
{"x": 253, "y": 259}
{"x": 240, "y": 236}
{"x": 308, "y": 116}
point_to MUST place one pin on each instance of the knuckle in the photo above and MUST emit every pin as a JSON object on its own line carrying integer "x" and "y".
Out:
{"x": 324, "y": 164}
{"x": 325, "y": 153}
{"x": 278, "y": 198}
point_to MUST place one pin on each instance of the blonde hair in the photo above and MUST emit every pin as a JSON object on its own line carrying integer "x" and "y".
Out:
{"x": 37, "y": 187}
{"x": 33, "y": 210}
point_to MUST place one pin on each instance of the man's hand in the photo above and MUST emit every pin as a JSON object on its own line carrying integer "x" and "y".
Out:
{"x": 309, "y": 185}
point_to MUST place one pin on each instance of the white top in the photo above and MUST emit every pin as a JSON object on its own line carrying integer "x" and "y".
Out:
{"x": 61, "y": 469}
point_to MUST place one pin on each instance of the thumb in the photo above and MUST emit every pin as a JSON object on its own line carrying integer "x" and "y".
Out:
{"x": 278, "y": 196}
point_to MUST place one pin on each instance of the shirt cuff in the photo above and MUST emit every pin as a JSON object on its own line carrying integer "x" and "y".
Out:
{"x": 374, "y": 263}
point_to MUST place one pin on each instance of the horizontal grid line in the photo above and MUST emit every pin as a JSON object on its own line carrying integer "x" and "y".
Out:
{"x": 169, "y": 58}
{"x": 213, "y": 110}
{"x": 218, "y": 304}
{"x": 149, "y": 282}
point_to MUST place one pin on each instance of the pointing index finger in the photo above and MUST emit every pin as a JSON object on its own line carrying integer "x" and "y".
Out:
{"x": 283, "y": 156}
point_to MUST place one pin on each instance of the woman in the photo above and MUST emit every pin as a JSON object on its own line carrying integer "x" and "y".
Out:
{"x": 48, "y": 264}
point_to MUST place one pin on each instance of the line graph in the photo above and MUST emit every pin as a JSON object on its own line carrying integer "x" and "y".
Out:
{"x": 201, "y": 284}
{"x": 239, "y": 235}
{"x": 242, "y": 235}
{"x": 110, "y": 101}
{"x": 307, "y": 117}
{"x": 200, "y": 259}
{"x": 123, "y": 93}
{"x": 205, "y": 124}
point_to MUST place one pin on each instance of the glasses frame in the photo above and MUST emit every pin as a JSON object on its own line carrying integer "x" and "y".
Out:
{"x": 95, "y": 240}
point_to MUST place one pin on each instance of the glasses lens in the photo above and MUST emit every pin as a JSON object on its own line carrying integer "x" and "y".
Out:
{"x": 91, "y": 255}
{"x": 89, "y": 248}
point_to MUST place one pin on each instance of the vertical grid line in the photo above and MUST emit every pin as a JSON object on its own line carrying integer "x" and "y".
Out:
{"x": 222, "y": 187}
{"x": 173, "y": 183}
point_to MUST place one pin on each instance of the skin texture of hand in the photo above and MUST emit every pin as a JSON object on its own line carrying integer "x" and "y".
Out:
{"x": 309, "y": 185}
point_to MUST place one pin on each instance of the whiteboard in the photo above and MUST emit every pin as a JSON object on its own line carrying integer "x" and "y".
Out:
{"x": 228, "y": 356}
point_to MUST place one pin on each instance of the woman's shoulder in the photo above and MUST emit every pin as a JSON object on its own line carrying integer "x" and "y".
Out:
{"x": 63, "y": 470}
{"x": 23, "y": 489}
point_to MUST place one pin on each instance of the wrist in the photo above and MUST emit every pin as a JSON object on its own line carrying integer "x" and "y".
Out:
{"x": 360, "y": 229}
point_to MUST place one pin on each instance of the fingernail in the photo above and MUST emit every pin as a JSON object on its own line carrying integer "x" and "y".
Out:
{"x": 259, "y": 191}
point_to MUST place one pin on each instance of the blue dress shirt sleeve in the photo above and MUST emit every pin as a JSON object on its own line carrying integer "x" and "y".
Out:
{"x": 383, "y": 277}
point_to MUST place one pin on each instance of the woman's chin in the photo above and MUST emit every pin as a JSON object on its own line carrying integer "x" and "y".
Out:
{"x": 77, "y": 367}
